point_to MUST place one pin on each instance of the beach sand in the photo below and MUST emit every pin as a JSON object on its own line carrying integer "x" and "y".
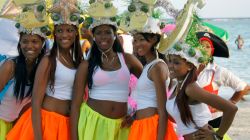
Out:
{"x": 240, "y": 129}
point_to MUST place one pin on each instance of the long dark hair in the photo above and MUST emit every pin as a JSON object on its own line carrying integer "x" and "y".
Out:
{"x": 182, "y": 98}
{"x": 53, "y": 54}
{"x": 21, "y": 73}
{"x": 95, "y": 56}
{"x": 149, "y": 36}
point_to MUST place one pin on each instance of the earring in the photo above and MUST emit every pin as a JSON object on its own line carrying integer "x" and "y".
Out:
{"x": 114, "y": 37}
{"x": 156, "y": 53}
{"x": 93, "y": 39}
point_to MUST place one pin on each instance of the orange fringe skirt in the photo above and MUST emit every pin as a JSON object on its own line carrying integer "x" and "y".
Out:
{"x": 54, "y": 127}
{"x": 146, "y": 129}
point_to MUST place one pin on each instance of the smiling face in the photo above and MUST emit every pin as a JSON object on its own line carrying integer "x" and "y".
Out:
{"x": 207, "y": 47}
{"x": 31, "y": 46}
{"x": 65, "y": 35}
{"x": 141, "y": 46}
{"x": 104, "y": 36}
{"x": 178, "y": 67}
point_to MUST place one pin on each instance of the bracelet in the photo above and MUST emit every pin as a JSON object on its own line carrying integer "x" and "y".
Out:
{"x": 217, "y": 137}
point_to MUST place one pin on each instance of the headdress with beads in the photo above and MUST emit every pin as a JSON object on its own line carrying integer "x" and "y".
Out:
{"x": 101, "y": 12}
{"x": 30, "y": 16}
{"x": 190, "y": 48}
{"x": 66, "y": 12}
{"x": 183, "y": 41}
{"x": 145, "y": 16}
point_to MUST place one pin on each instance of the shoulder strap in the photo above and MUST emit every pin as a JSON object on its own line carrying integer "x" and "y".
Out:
{"x": 122, "y": 58}
{"x": 4, "y": 58}
{"x": 154, "y": 63}
{"x": 5, "y": 89}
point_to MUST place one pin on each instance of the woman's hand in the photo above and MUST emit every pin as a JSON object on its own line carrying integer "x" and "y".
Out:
{"x": 127, "y": 121}
{"x": 204, "y": 133}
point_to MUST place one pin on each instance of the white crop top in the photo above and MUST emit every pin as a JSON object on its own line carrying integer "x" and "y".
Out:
{"x": 200, "y": 112}
{"x": 111, "y": 85}
{"x": 10, "y": 107}
{"x": 145, "y": 93}
{"x": 64, "y": 80}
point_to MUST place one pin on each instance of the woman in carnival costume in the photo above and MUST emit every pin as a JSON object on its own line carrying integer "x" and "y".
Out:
{"x": 212, "y": 76}
{"x": 17, "y": 74}
{"x": 149, "y": 94}
{"x": 106, "y": 72}
{"x": 187, "y": 102}
{"x": 48, "y": 118}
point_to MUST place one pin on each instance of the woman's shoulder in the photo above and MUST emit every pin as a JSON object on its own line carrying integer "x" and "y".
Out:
{"x": 45, "y": 60}
{"x": 159, "y": 66}
{"x": 8, "y": 65}
{"x": 129, "y": 58}
{"x": 127, "y": 55}
{"x": 7, "y": 70}
{"x": 192, "y": 88}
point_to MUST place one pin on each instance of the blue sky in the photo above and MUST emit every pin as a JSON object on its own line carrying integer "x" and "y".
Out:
{"x": 221, "y": 8}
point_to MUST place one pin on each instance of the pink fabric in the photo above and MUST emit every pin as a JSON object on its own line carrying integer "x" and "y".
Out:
{"x": 168, "y": 28}
{"x": 132, "y": 105}
{"x": 132, "y": 83}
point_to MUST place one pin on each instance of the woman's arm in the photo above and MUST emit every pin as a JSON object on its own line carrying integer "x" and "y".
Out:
{"x": 238, "y": 95}
{"x": 38, "y": 93}
{"x": 6, "y": 72}
{"x": 78, "y": 92}
{"x": 134, "y": 65}
{"x": 229, "y": 109}
{"x": 159, "y": 75}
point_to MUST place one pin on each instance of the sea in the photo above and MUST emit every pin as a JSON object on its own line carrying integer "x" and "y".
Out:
{"x": 239, "y": 60}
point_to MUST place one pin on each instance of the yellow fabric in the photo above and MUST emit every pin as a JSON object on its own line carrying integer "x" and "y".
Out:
{"x": 4, "y": 128}
{"x": 226, "y": 136}
{"x": 94, "y": 126}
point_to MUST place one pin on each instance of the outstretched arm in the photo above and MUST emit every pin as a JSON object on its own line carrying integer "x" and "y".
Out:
{"x": 229, "y": 109}
{"x": 237, "y": 96}
{"x": 78, "y": 92}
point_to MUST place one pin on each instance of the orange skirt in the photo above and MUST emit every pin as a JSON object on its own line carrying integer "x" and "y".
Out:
{"x": 146, "y": 129}
{"x": 54, "y": 127}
